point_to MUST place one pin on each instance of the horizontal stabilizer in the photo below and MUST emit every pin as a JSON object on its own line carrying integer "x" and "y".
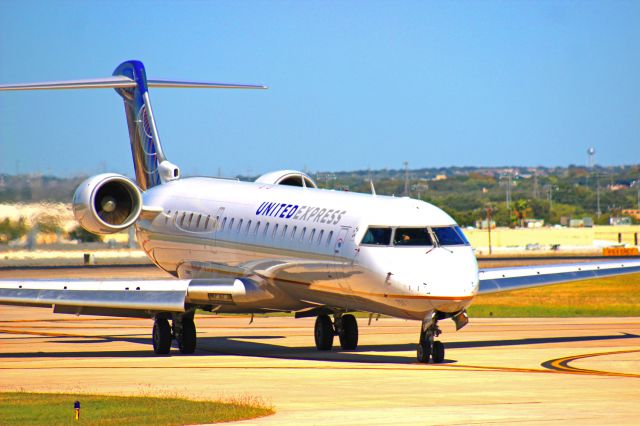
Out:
{"x": 94, "y": 83}
{"x": 199, "y": 85}
{"x": 119, "y": 81}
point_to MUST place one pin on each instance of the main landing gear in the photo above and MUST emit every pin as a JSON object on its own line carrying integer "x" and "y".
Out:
{"x": 183, "y": 330}
{"x": 428, "y": 347}
{"x": 344, "y": 326}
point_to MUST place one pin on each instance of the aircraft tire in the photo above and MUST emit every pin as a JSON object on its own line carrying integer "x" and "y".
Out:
{"x": 187, "y": 341}
{"x": 437, "y": 352}
{"x": 424, "y": 353}
{"x": 161, "y": 336}
{"x": 323, "y": 333}
{"x": 349, "y": 335}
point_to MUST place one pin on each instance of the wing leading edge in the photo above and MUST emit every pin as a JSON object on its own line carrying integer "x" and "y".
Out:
{"x": 504, "y": 279}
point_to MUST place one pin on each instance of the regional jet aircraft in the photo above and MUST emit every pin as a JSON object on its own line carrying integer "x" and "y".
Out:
{"x": 278, "y": 244}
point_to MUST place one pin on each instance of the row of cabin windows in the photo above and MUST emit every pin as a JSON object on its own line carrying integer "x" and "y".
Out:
{"x": 199, "y": 222}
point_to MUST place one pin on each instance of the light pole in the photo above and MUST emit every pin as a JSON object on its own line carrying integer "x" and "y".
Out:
{"x": 406, "y": 179}
{"x": 489, "y": 211}
{"x": 598, "y": 211}
{"x": 549, "y": 188}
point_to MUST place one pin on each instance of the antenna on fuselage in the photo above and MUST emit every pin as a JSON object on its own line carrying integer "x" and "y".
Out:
{"x": 373, "y": 188}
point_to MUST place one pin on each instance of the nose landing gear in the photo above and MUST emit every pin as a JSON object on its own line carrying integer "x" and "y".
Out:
{"x": 428, "y": 347}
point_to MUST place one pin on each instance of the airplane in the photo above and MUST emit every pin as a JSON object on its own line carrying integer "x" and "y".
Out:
{"x": 279, "y": 244}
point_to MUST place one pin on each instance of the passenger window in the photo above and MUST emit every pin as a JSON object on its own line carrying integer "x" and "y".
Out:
{"x": 448, "y": 236}
{"x": 329, "y": 238}
{"x": 248, "y": 227}
{"x": 182, "y": 219}
{"x": 284, "y": 231}
{"x": 377, "y": 236}
{"x": 320, "y": 236}
{"x": 304, "y": 231}
{"x": 313, "y": 233}
{"x": 266, "y": 228}
{"x": 198, "y": 221}
{"x": 206, "y": 222}
{"x": 275, "y": 229}
{"x": 190, "y": 219}
{"x": 293, "y": 233}
{"x": 240, "y": 225}
{"x": 233, "y": 219}
{"x": 255, "y": 232}
{"x": 224, "y": 222}
{"x": 412, "y": 237}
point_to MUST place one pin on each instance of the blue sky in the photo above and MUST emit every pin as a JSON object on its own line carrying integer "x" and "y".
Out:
{"x": 352, "y": 84}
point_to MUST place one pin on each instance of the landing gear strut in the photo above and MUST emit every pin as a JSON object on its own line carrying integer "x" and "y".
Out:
{"x": 428, "y": 347}
{"x": 183, "y": 330}
{"x": 344, "y": 326}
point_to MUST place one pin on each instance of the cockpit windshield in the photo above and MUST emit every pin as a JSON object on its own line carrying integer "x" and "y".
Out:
{"x": 425, "y": 237}
{"x": 450, "y": 236}
{"x": 412, "y": 237}
{"x": 377, "y": 236}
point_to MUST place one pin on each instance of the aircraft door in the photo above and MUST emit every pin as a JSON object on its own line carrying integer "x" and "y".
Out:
{"x": 341, "y": 259}
{"x": 340, "y": 241}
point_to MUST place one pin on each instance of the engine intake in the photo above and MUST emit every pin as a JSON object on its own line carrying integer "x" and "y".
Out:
{"x": 107, "y": 203}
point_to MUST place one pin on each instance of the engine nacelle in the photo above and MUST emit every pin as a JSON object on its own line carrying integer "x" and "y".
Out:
{"x": 287, "y": 177}
{"x": 107, "y": 203}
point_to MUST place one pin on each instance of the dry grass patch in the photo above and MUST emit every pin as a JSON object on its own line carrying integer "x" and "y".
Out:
{"x": 22, "y": 408}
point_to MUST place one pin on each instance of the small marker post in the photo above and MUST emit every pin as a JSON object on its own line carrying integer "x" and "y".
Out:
{"x": 76, "y": 410}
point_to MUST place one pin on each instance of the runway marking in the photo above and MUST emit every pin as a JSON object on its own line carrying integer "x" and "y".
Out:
{"x": 413, "y": 367}
{"x": 554, "y": 366}
{"x": 44, "y": 333}
{"x": 562, "y": 365}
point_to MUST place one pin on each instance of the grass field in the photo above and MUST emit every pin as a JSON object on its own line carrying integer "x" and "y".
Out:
{"x": 615, "y": 296}
{"x": 18, "y": 408}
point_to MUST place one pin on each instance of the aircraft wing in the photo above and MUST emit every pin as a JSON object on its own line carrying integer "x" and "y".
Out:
{"x": 493, "y": 280}
{"x": 133, "y": 298}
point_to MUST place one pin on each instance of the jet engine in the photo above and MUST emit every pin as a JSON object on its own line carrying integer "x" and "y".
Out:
{"x": 287, "y": 177}
{"x": 107, "y": 203}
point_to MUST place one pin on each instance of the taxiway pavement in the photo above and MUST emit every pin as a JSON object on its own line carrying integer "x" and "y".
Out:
{"x": 505, "y": 371}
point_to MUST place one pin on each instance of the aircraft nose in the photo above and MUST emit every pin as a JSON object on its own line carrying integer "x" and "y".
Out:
{"x": 454, "y": 274}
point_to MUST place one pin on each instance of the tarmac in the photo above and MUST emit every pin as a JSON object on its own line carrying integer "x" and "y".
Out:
{"x": 497, "y": 371}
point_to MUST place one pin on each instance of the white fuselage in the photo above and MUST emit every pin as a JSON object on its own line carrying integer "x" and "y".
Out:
{"x": 304, "y": 245}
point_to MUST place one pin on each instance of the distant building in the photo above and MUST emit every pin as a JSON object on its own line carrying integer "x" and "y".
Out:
{"x": 482, "y": 224}
{"x": 619, "y": 221}
{"x": 585, "y": 222}
{"x": 534, "y": 223}
{"x": 617, "y": 187}
{"x": 634, "y": 213}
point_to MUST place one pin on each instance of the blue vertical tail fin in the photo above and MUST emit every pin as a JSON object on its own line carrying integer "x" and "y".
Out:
{"x": 143, "y": 133}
